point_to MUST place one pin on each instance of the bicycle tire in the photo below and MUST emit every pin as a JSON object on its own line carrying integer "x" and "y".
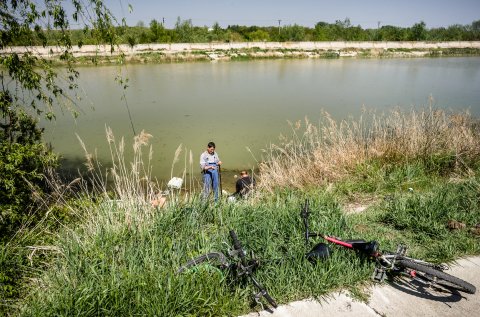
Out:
{"x": 443, "y": 279}
{"x": 212, "y": 256}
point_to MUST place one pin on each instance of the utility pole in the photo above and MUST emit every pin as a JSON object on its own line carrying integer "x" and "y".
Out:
{"x": 378, "y": 30}
{"x": 163, "y": 21}
{"x": 279, "y": 21}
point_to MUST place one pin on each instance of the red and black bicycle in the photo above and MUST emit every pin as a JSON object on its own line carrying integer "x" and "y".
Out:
{"x": 387, "y": 263}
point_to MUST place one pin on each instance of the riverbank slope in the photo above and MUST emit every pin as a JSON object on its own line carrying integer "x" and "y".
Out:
{"x": 175, "y": 52}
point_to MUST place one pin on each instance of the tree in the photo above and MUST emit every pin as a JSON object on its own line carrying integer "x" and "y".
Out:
{"x": 233, "y": 36}
{"x": 156, "y": 30}
{"x": 294, "y": 33}
{"x": 258, "y": 35}
{"x": 475, "y": 31}
{"x": 184, "y": 31}
{"x": 390, "y": 33}
{"x": 217, "y": 34}
{"x": 321, "y": 32}
{"x": 31, "y": 87}
{"x": 340, "y": 29}
{"x": 239, "y": 33}
{"x": 418, "y": 32}
{"x": 343, "y": 24}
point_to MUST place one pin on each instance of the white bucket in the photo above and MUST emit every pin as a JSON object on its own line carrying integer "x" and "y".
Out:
{"x": 175, "y": 183}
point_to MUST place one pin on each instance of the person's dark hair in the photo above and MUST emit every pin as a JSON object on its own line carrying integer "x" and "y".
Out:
{"x": 211, "y": 144}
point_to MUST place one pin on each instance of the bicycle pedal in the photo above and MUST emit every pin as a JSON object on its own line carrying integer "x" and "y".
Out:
{"x": 379, "y": 275}
{"x": 401, "y": 250}
{"x": 257, "y": 299}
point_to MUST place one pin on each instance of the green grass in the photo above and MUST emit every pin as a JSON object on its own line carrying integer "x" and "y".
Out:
{"x": 120, "y": 257}
{"x": 123, "y": 260}
{"x": 124, "y": 264}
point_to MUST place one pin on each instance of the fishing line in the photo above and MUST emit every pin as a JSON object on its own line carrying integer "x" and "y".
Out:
{"x": 129, "y": 114}
{"x": 124, "y": 87}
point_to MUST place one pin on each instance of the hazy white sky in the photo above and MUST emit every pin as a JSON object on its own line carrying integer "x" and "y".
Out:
{"x": 367, "y": 13}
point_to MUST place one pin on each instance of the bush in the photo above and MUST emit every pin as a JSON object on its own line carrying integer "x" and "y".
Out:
{"x": 11, "y": 264}
{"x": 23, "y": 160}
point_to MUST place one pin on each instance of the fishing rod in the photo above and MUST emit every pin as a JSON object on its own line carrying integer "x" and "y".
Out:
{"x": 220, "y": 178}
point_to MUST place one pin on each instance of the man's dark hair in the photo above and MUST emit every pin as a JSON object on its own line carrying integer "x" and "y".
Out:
{"x": 211, "y": 144}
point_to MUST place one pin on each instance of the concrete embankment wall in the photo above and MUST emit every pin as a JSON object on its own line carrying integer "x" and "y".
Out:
{"x": 105, "y": 50}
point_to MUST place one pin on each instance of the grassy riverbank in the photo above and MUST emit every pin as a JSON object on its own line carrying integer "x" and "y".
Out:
{"x": 257, "y": 53}
{"x": 122, "y": 260}
{"x": 120, "y": 255}
{"x": 189, "y": 52}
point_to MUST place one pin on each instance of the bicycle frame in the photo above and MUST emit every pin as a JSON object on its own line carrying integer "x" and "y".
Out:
{"x": 305, "y": 213}
{"x": 246, "y": 269}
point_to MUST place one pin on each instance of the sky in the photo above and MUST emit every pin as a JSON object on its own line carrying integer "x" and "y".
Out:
{"x": 366, "y": 13}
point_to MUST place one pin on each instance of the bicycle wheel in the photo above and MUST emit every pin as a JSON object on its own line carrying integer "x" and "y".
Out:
{"x": 438, "y": 277}
{"x": 215, "y": 257}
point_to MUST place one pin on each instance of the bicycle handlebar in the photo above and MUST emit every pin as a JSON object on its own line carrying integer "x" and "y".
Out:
{"x": 305, "y": 213}
{"x": 237, "y": 245}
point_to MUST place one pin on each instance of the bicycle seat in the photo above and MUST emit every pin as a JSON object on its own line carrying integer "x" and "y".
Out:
{"x": 320, "y": 251}
{"x": 367, "y": 247}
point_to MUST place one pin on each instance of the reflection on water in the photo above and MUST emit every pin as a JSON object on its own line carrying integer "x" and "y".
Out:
{"x": 247, "y": 104}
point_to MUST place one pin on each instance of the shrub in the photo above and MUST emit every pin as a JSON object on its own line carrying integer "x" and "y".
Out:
{"x": 23, "y": 160}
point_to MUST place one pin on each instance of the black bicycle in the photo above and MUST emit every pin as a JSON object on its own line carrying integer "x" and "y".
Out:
{"x": 237, "y": 264}
{"x": 387, "y": 263}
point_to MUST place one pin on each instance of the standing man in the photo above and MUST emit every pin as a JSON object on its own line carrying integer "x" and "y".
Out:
{"x": 210, "y": 163}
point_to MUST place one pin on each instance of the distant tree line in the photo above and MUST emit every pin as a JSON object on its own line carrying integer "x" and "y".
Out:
{"x": 185, "y": 32}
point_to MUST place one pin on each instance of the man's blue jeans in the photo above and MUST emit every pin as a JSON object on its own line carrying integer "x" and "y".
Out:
{"x": 210, "y": 179}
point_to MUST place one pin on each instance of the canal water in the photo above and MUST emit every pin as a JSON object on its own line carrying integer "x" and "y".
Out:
{"x": 244, "y": 106}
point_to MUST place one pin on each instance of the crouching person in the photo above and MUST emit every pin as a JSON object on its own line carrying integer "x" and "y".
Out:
{"x": 243, "y": 186}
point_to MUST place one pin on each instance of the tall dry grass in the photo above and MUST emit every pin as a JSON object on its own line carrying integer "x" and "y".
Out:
{"x": 124, "y": 180}
{"x": 317, "y": 154}
{"x": 131, "y": 180}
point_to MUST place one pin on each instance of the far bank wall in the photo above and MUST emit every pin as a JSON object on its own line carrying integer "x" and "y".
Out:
{"x": 105, "y": 50}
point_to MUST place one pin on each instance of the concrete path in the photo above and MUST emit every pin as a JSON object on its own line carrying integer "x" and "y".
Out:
{"x": 395, "y": 299}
